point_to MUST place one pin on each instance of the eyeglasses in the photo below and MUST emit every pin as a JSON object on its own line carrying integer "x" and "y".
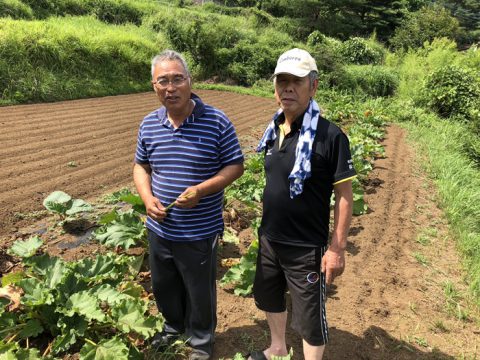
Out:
{"x": 175, "y": 81}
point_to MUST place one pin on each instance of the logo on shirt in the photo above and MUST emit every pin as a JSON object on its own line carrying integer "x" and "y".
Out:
{"x": 269, "y": 152}
{"x": 350, "y": 164}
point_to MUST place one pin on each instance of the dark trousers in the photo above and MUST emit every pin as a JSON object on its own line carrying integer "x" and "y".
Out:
{"x": 183, "y": 282}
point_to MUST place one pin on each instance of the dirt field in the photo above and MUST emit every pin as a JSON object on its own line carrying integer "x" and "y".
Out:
{"x": 387, "y": 305}
{"x": 86, "y": 147}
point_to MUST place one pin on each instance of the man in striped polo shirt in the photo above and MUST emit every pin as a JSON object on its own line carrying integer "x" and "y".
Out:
{"x": 187, "y": 153}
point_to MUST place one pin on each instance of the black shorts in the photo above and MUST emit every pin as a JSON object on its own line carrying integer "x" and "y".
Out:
{"x": 282, "y": 267}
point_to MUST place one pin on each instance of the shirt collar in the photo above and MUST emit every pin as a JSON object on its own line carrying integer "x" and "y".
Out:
{"x": 297, "y": 124}
{"x": 198, "y": 111}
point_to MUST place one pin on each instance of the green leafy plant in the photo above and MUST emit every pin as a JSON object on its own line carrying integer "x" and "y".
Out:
{"x": 249, "y": 188}
{"x": 452, "y": 90}
{"x": 26, "y": 248}
{"x": 361, "y": 51}
{"x": 92, "y": 303}
{"x": 63, "y": 205}
{"x": 121, "y": 229}
{"x": 241, "y": 275}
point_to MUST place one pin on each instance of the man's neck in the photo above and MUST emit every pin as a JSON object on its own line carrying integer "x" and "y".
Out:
{"x": 177, "y": 118}
{"x": 290, "y": 118}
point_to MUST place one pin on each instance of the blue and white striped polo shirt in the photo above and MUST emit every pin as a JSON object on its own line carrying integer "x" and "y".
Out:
{"x": 179, "y": 158}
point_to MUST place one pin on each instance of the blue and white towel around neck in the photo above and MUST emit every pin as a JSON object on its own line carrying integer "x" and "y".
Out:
{"x": 302, "y": 167}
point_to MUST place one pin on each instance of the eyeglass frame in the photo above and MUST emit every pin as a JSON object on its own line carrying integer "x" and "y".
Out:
{"x": 176, "y": 80}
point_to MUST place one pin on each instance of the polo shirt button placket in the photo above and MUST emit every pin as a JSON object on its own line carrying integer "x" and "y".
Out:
{"x": 177, "y": 134}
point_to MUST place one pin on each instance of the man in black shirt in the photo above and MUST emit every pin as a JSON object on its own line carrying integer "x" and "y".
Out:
{"x": 306, "y": 158}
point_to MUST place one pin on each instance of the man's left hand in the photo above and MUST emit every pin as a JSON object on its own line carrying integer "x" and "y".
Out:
{"x": 333, "y": 264}
{"x": 189, "y": 198}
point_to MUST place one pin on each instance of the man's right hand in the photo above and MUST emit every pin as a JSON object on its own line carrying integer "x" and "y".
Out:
{"x": 155, "y": 209}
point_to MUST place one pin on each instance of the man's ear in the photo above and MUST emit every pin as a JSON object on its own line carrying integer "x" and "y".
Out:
{"x": 314, "y": 88}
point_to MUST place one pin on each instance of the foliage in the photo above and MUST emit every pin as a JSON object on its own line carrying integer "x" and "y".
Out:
{"x": 424, "y": 25}
{"x": 360, "y": 51}
{"x": 15, "y": 9}
{"x": 335, "y": 18}
{"x": 109, "y": 11}
{"x": 61, "y": 203}
{"x": 452, "y": 90}
{"x": 121, "y": 229}
{"x": 76, "y": 303}
{"x": 249, "y": 188}
{"x": 45, "y": 8}
{"x": 241, "y": 275}
{"x": 468, "y": 14}
{"x": 25, "y": 249}
{"x": 116, "y": 11}
{"x": 367, "y": 79}
{"x": 70, "y": 58}
{"x": 415, "y": 65}
{"x": 330, "y": 62}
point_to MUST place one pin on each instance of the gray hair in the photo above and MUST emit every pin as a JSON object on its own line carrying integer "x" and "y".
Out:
{"x": 170, "y": 55}
{"x": 312, "y": 75}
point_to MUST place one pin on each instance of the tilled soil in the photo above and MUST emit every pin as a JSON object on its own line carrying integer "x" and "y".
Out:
{"x": 85, "y": 147}
{"x": 389, "y": 303}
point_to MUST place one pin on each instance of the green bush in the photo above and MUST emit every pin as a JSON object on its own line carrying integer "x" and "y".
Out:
{"x": 452, "y": 91}
{"x": 316, "y": 38}
{"x": 362, "y": 52}
{"x": 372, "y": 80}
{"x": 109, "y": 11}
{"x": 424, "y": 25}
{"x": 45, "y": 8}
{"x": 15, "y": 9}
{"x": 116, "y": 12}
{"x": 329, "y": 61}
{"x": 69, "y": 58}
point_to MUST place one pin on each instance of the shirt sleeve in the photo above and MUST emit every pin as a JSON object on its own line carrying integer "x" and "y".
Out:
{"x": 341, "y": 159}
{"x": 141, "y": 156}
{"x": 230, "y": 151}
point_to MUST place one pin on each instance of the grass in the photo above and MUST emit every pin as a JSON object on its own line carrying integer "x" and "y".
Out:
{"x": 254, "y": 91}
{"x": 69, "y": 58}
{"x": 421, "y": 259}
{"x": 453, "y": 301}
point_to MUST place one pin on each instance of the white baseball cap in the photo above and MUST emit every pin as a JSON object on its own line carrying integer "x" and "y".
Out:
{"x": 297, "y": 62}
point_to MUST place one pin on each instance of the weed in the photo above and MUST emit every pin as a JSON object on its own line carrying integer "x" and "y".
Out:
{"x": 420, "y": 341}
{"x": 423, "y": 239}
{"x": 439, "y": 327}
{"x": 421, "y": 259}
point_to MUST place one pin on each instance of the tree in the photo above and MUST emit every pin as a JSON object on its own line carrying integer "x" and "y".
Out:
{"x": 424, "y": 25}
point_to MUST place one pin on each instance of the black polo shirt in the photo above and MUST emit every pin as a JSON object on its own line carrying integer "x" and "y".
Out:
{"x": 303, "y": 220}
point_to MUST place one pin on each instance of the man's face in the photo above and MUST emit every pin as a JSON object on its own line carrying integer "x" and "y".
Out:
{"x": 293, "y": 93}
{"x": 172, "y": 85}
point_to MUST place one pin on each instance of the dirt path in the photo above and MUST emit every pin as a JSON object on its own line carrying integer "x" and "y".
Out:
{"x": 390, "y": 302}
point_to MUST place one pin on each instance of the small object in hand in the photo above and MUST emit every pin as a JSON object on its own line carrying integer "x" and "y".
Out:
{"x": 173, "y": 203}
